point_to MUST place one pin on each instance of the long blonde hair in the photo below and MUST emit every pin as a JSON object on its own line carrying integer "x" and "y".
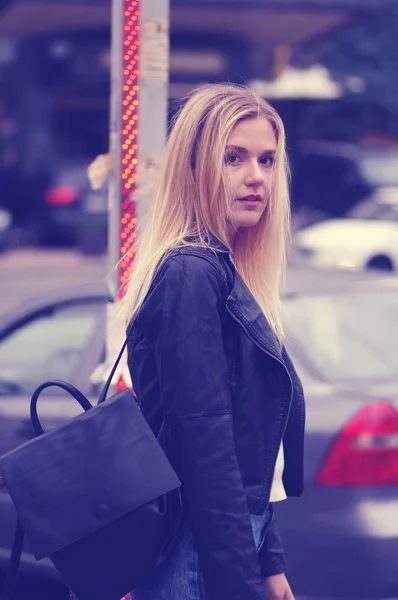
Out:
{"x": 192, "y": 199}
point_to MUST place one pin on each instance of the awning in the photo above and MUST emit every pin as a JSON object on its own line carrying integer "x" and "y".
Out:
{"x": 264, "y": 22}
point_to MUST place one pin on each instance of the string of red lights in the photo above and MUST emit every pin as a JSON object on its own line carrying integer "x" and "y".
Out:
{"x": 129, "y": 140}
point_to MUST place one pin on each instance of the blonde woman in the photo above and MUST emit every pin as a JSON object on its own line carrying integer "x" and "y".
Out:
{"x": 206, "y": 351}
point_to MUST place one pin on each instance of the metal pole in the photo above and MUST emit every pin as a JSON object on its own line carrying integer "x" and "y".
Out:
{"x": 138, "y": 125}
{"x": 113, "y": 333}
{"x": 153, "y": 78}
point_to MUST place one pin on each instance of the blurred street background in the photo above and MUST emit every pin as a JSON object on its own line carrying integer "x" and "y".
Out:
{"x": 31, "y": 272}
{"x": 330, "y": 68}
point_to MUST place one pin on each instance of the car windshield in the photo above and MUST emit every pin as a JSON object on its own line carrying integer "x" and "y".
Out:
{"x": 375, "y": 211}
{"x": 347, "y": 336}
{"x": 51, "y": 345}
{"x": 380, "y": 167}
{"x": 382, "y": 206}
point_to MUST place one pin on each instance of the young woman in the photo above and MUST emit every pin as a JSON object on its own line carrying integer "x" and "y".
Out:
{"x": 206, "y": 351}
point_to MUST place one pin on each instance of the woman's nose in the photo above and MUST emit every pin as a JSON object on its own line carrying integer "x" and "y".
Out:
{"x": 255, "y": 175}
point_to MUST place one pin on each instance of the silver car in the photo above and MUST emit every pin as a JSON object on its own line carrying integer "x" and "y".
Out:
{"x": 341, "y": 537}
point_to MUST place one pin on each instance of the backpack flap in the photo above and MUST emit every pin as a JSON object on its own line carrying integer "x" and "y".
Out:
{"x": 98, "y": 467}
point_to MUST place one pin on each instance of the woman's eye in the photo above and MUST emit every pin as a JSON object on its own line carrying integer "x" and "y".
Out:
{"x": 267, "y": 161}
{"x": 232, "y": 159}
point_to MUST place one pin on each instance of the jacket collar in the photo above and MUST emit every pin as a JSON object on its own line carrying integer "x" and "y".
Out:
{"x": 212, "y": 241}
{"x": 243, "y": 306}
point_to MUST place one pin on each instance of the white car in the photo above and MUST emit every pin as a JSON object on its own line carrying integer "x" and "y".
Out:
{"x": 366, "y": 239}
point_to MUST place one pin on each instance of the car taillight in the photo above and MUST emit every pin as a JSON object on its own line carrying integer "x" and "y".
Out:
{"x": 365, "y": 452}
{"x": 61, "y": 195}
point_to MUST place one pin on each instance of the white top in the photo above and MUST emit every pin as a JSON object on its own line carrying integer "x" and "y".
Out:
{"x": 277, "y": 489}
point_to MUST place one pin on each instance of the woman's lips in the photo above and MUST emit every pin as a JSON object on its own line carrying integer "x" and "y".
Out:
{"x": 251, "y": 201}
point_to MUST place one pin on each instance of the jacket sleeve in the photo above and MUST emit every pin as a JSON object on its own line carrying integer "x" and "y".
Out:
{"x": 272, "y": 559}
{"x": 181, "y": 319}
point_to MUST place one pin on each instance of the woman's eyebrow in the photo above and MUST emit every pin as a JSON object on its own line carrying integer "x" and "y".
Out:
{"x": 242, "y": 150}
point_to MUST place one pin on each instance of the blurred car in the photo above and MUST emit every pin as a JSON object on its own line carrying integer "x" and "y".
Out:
{"x": 57, "y": 207}
{"x": 45, "y": 205}
{"x": 366, "y": 239}
{"x": 5, "y": 228}
{"x": 62, "y": 205}
{"x": 341, "y": 537}
{"x": 379, "y": 165}
{"x": 327, "y": 180}
{"x": 70, "y": 209}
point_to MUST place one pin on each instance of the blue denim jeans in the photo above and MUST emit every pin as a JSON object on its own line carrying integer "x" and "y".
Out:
{"x": 179, "y": 578}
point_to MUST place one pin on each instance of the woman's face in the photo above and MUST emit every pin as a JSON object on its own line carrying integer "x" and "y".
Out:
{"x": 248, "y": 164}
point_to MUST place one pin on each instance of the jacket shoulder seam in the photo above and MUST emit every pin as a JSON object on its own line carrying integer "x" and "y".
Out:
{"x": 212, "y": 260}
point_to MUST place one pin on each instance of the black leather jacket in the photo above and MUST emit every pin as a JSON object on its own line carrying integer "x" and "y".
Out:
{"x": 203, "y": 357}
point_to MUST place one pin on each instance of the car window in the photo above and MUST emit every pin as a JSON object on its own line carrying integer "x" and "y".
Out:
{"x": 48, "y": 346}
{"x": 371, "y": 210}
{"x": 380, "y": 168}
{"x": 347, "y": 336}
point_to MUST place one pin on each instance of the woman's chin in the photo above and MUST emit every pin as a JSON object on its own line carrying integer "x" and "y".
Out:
{"x": 247, "y": 220}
